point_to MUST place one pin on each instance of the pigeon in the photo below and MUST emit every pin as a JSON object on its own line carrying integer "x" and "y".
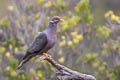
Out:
{"x": 44, "y": 41}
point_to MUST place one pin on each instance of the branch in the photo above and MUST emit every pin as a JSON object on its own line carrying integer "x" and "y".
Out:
{"x": 66, "y": 73}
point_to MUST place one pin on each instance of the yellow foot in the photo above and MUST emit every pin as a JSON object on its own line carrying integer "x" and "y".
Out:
{"x": 47, "y": 55}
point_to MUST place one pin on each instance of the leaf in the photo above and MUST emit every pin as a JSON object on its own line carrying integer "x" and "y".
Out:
{"x": 13, "y": 74}
{"x": 4, "y": 22}
{"x": 61, "y": 60}
{"x": 40, "y": 1}
{"x": 2, "y": 49}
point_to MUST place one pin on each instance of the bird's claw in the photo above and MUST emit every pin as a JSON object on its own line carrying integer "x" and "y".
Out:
{"x": 47, "y": 55}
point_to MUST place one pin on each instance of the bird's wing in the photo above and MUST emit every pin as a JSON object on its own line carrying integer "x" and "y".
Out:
{"x": 38, "y": 43}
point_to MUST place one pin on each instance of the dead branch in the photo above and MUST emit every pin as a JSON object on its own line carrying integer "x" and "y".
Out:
{"x": 66, "y": 73}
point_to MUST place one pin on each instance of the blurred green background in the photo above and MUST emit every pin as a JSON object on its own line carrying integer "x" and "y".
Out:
{"x": 88, "y": 39}
{"x": 98, "y": 8}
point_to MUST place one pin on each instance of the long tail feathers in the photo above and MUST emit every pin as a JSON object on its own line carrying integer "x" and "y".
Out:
{"x": 25, "y": 59}
{"x": 21, "y": 64}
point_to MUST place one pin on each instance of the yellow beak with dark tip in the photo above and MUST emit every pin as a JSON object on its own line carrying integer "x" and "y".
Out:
{"x": 62, "y": 20}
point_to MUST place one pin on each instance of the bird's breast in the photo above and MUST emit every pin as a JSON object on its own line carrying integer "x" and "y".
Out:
{"x": 51, "y": 42}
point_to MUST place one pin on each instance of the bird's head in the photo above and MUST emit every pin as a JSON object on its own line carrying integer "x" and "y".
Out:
{"x": 56, "y": 19}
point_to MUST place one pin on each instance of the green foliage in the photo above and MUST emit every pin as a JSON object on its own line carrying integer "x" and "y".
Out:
{"x": 70, "y": 22}
{"x": 82, "y": 5}
{"x": 106, "y": 49}
{"x": 31, "y": 6}
{"x": 36, "y": 16}
{"x": 32, "y": 71}
{"x": 81, "y": 46}
{"x": 103, "y": 31}
{"x": 83, "y": 8}
{"x": 116, "y": 45}
{"x": 40, "y": 1}
{"x": 25, "y": 77}
{"x": 13, "y": 62}
{"x": 13, "y": 74}
{"x": 60, "y": 5}
{"x": 91, "y": 57}
{"x": 2, "y": 49}
{"x": 48, "y": 4}
{"x": 40, "y": 73}
{"x": 0, "y": 70}
{"x": 14, "y": 42}
{"x": 4, "y": 22}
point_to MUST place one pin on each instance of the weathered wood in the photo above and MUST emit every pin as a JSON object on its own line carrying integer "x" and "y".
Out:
{"x": 66, "y": 73}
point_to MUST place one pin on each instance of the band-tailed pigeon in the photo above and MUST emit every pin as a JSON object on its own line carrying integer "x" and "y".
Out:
{"x": 43, "y": 42}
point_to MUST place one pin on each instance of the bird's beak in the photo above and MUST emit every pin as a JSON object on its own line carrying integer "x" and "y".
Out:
{"x": 62, "y": 20}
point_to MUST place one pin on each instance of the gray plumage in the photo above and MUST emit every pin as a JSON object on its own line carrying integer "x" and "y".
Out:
{"x": 43, "y": 42}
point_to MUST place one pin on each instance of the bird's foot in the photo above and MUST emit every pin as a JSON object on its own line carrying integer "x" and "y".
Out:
{"x": 47, "y": 55}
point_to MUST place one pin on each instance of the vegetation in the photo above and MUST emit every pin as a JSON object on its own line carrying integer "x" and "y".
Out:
{"x": 82, "y": 45}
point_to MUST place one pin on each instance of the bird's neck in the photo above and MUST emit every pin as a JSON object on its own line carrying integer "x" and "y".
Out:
{"x": 51, "y": 28}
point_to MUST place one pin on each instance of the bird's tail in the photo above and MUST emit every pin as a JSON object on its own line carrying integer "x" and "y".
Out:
{"x": 25, "y": 59}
